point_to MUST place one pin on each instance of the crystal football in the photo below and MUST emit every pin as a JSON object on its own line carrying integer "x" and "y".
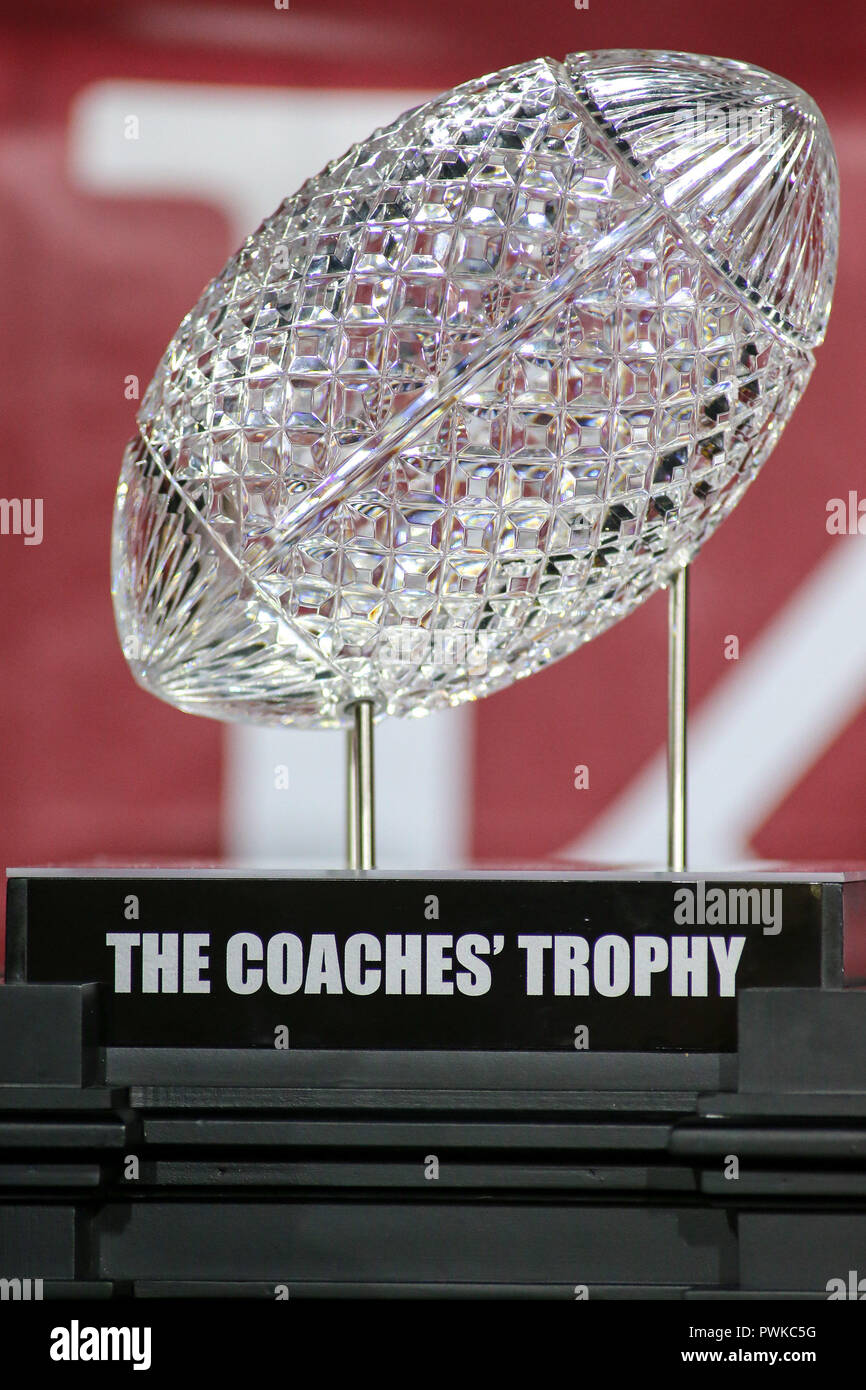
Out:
{"x": 477, "y": 389}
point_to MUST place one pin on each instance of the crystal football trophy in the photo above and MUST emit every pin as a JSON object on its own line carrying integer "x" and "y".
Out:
{"x": 466, "y": 399}
{"x": 473, "y": 393}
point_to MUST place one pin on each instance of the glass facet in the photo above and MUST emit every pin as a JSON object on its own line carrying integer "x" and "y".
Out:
{"x": 475, "y": 390}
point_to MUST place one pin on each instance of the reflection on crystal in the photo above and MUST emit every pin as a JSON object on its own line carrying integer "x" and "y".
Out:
{"x": 471, "y": 394}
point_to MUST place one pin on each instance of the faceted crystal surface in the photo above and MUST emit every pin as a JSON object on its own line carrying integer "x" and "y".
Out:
{"x": 476, "y": 390}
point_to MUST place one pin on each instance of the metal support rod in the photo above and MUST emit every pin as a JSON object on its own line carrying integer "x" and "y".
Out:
{"x": 360, "y": 789}
{"x": 678, "y": 673}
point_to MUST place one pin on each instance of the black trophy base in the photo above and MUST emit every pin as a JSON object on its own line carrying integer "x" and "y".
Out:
{"x": 557, "y": 1087}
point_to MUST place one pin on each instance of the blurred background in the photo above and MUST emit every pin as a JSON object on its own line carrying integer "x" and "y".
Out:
{"x": 139, "y": 144}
